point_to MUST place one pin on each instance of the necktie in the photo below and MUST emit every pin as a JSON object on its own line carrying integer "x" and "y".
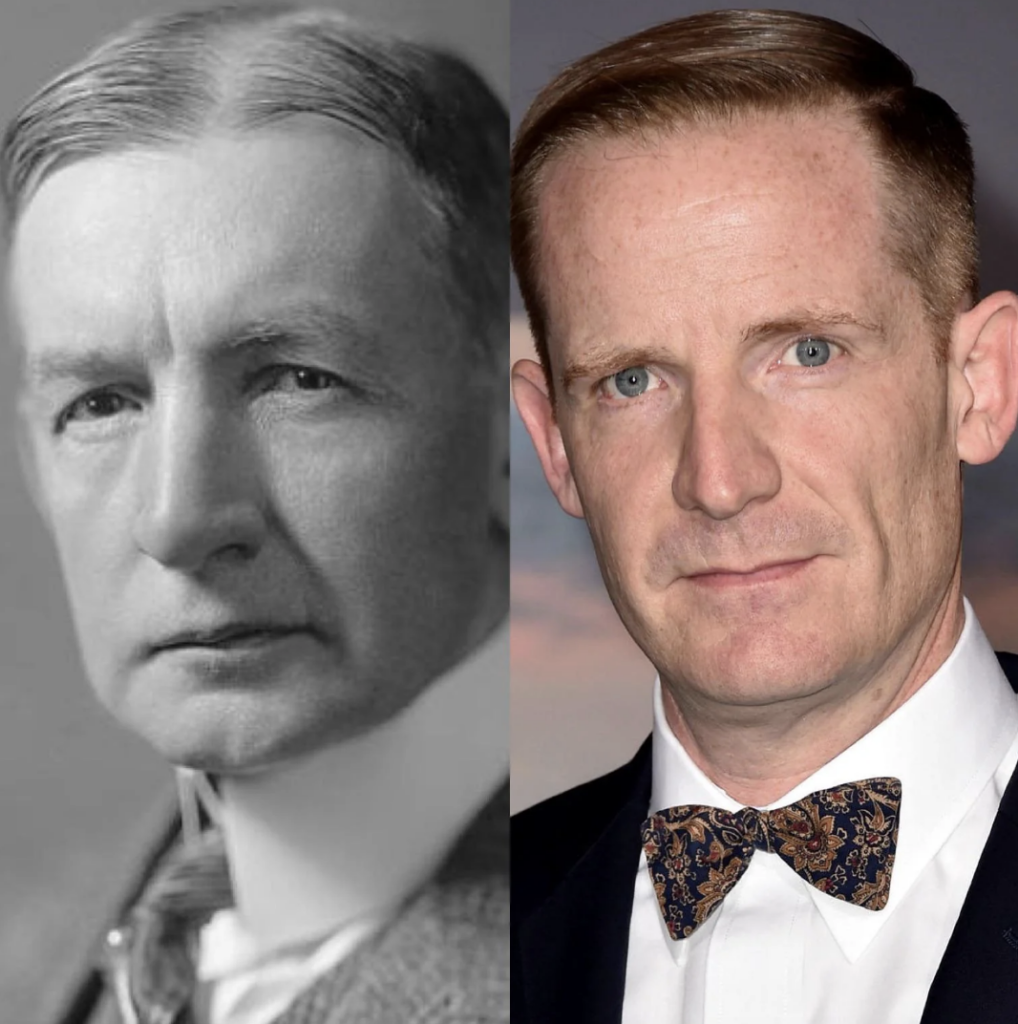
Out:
{"x": 152, "y": 956}
{"x": 840, "y": 840}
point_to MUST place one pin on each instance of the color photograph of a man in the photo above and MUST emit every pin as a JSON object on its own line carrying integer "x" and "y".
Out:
{"x": 746, "y": 246}
{"x": 256, "y": 283}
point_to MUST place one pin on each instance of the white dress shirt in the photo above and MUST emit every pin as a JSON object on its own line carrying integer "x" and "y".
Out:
{"x": 315, "y": 867}
{"x": 779, "y": 951}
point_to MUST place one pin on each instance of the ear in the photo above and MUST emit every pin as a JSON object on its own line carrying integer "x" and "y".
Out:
{"x": 533, "y": 400}
{"x": 984, "y": 354}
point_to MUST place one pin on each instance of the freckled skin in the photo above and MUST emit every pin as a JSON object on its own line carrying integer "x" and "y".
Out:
{"x": 735, "y": 457}
{"x": 363, "y": 514}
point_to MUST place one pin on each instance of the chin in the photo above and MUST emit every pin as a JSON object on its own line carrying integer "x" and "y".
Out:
{"x": 757, "y": 667}
{"x": 226, "y": 748}
{"x": 225, "y": 726}
{"x": 249, "y": 733}
{"x": 227, "y": 733}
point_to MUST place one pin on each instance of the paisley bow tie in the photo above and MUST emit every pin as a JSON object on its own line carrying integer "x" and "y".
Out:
{"x": 840, "y": 840}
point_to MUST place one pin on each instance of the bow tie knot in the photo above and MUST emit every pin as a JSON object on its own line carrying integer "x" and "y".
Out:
{"x": 840, "y": 840}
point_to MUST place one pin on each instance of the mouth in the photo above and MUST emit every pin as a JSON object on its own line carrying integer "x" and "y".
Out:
{"x": 235, "y": 636}
{"x": 765, "y": 573}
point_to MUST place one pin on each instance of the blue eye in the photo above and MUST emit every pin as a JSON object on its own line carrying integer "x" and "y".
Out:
{"x": 631, "y": 382}
{"x": 810, "y": 352}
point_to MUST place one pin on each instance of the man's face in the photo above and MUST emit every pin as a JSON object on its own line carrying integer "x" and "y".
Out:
{"x": 756, "y": 427}
{"x": 256, "y": 435}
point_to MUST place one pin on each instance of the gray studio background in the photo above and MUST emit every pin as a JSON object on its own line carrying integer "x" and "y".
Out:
{"x": 77, "y": 794}
{"x": 580, "y": 701}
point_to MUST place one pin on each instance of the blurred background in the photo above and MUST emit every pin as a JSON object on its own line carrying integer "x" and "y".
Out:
{"x": 79, "y": 797}
{"x": 580, "y": 688}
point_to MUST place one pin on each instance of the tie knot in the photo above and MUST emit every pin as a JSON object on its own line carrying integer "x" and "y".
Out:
{"x": 191, "y": 884}
{"x": 755, "y": 827}
{"x": 152, "y": 956}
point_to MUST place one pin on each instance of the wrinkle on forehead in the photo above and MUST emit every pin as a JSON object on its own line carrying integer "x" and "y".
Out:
{"x": 130, "y": 235}
{"x": 202, "y": 183}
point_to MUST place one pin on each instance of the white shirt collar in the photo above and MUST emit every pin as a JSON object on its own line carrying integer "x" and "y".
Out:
{"x": 944, "y": 744}
{"x": 350, "y": 831}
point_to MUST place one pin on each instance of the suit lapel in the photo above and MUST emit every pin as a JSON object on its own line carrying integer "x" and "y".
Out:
{"x": 978, "y": 976}
{"x": 573, "y": 948}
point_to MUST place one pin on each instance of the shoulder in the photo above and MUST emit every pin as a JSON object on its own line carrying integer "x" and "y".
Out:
{"x": 446, "y": 957}
{"x": 549, "y": 838}
{"x": 88, "y": 1000}
{"x": 466, "y": 910}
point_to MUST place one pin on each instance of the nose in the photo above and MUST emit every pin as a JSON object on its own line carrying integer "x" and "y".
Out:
{"x": 725, "y": 461}
{"x": 199, "y": 489}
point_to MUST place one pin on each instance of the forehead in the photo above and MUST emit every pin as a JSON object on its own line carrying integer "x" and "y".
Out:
{"x": 710, "y": 225}
{"x": 197, "y": 230}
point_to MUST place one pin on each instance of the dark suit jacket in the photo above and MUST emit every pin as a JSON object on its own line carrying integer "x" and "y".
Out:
{"x": 574, "y": 859}
{"x": 443, "y": 961}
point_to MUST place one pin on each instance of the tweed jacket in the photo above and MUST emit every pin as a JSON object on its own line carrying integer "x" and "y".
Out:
{"x": 444, "y": 960}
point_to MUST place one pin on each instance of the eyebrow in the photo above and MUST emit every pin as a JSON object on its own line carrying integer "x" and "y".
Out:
{"x": 291, "y": 330}
{"x": 802, "y": 321}
{"x": 799, "y": 321}
{"x": 292, "y": 326}
{"x": 613, "y": 359}
{"x": 46, "y": 368}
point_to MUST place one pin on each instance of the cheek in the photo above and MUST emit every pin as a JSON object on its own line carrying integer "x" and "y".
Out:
{"x": 91, "y": 520}
{"x": 89, "y": 490}
{"x": 95, "y": 548}
{"x": 383, "y": 496}
{"x": 883, "y": 463}
{"x": 926, "y": 515}
{"x": 623, "y": 469}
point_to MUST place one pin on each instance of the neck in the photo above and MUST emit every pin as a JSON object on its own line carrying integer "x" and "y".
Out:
{"x": 758, "y": 754}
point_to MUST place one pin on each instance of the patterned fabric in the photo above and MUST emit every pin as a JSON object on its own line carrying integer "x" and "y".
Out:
{"x": 444, "y": 960}
{"x": 151, "y": 957}
{"x": 840, "y": 840}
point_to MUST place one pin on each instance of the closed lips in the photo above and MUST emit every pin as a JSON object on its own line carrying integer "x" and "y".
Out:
{"x": 224, "y": 635}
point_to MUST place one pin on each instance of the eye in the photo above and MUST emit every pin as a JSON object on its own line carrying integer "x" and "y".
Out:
{"x": 809, "y": 352}
{"x": 102, "y": 404}
{"x": 300, "y": 378}
{"x": 632, "y": 382}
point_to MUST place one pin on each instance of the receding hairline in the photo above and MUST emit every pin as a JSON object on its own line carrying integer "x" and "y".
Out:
{"x": 225, "y": 58}
{"x": 309, "y": 125}
{"x": 171, "y": 78}
{"x": 647, "y": 140}
{"x": 732, "y": 61}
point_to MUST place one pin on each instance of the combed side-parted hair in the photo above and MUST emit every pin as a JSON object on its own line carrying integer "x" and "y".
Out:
{"x": 715, "y": 67}
{"x": 234, "y": 68}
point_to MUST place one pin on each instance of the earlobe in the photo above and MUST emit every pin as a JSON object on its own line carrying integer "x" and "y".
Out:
{"x": 530, "y": 390}
{"x": 986, "y": 347}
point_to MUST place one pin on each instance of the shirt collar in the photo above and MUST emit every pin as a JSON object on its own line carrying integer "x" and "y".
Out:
{"x": 937, "y": 791}
{"x": 355, "y": 828}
